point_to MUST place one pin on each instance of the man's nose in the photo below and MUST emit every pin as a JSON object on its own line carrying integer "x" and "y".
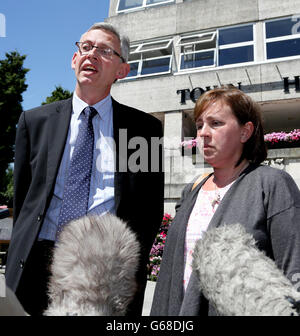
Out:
{"x": 93, "y": 53}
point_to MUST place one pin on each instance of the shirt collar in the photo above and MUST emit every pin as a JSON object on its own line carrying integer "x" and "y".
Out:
{"x": 103, "y": 107}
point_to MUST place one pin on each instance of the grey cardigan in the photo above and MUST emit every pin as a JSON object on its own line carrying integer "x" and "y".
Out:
{"x": 266, "y": 201}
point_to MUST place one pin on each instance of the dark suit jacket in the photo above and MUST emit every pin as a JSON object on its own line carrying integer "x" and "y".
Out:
{"x": 40, "y": 141}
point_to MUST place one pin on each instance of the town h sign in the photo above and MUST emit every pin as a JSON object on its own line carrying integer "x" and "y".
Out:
{"x": 194, "y": 94}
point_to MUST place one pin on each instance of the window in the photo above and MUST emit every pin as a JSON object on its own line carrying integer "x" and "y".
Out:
{"x": 220, "y": 47}
{"x": 150, "y": 58}
{"x": 197, "y": 50}
{"x": 282, "y": 38}
{"x": 236, "y": 45}
{"x": 127, "y": 5}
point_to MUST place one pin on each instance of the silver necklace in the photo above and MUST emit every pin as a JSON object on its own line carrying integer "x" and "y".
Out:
{"x": 217, "y": 199}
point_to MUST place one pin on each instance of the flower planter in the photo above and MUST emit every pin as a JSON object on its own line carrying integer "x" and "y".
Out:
{"x": 283, "y": 144}
{"x": 275, "y": 140}
{"x": 158, "y": 247}
{"x": 278, "y": 140}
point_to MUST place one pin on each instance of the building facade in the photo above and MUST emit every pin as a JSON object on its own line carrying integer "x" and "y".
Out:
{"x": 181, "y": 48}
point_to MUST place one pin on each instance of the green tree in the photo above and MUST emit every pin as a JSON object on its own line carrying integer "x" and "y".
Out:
{"x": 12, "y": 85}
{"x": 7, "y": 195}
{"x": 58, "y": 94}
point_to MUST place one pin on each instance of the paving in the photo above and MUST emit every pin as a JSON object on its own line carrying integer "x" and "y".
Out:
{"x": 148, "y": 297}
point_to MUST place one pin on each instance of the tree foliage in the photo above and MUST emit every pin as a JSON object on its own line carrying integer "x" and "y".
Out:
{"x": 12, "y": 85}
{"x": 58, "y": 94}
{"x": 8, "y": 193}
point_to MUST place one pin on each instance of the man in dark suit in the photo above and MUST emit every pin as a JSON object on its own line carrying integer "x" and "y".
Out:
{"x": 120, "y": 182}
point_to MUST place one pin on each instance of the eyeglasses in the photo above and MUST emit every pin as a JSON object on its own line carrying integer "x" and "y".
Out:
{"x": 103, "y": 51}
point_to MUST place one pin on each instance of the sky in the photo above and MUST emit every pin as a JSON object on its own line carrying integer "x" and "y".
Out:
{"x": 46, "y": 32}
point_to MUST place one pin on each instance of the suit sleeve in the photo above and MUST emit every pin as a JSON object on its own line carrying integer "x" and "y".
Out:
{"x": 146, "y": 204}
{"x": 154, "y": 192}
{"x": 22, "y": 173}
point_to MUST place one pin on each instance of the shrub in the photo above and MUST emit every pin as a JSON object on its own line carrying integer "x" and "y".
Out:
{"x": 158, "y": 247}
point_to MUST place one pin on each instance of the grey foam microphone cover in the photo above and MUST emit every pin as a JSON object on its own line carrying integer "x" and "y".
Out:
{"x": 93, "y": 269}
{"x": 237, "y": 278}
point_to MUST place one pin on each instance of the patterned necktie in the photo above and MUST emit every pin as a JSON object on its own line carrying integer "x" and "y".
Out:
{"x": 77, "y": 186}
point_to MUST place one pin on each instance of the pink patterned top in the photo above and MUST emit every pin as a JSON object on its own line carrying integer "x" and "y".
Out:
{"x": 206, "y": 204}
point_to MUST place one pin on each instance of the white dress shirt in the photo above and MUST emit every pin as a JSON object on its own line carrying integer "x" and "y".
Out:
{"x": 101, "y": 199}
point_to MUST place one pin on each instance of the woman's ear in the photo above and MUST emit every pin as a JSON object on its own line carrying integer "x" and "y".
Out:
{"x": 247, "y": 131}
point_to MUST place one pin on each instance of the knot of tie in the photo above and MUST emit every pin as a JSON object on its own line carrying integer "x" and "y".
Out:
{"x": 89, "y": 112}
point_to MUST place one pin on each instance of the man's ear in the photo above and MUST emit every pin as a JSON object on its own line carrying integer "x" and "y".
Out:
{"x": 247, "y": 131}
{"x": 73, "y": 62}
{"x": 123, "y": 71}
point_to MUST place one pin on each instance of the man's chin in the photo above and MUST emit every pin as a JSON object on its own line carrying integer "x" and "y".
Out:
{"x": 86, "y": 80}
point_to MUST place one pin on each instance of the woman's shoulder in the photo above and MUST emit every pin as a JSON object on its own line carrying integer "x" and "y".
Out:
{"x": 273, "y": 178}
{"x": 197, "y": 180}
{"x": 273, "y": 173}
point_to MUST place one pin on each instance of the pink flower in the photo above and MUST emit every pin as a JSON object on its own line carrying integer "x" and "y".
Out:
{"x": 189, "y": 143}
{"x": 158, "y": 247}
{"x": 276, "y": 137}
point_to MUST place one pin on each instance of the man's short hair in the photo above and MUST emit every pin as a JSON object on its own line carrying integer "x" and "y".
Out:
{"x": 124, "y": 40}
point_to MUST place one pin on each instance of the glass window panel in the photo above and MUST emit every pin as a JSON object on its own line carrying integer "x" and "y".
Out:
{"x": 157, "y": 53}
{"x": 128, "y": 4}
{"x": 196, "y": 39}
{"x": 133, "y": 69}
{"x": 150, "y": 2}
{"x": 280, "y": 28}
{"x": 199, "y": 46}
{"x": 236, "y": 55}
{"x": 154, "y": 45}
{"x": 206, "y": 45}
{"x": 188, "y": 49}
{"x": 236, "y": 35}
{"x": 197, "y": 60}
{"x": 155, "y": 66}
{"x": 283, "y": 48}
{"x": 133, "y": 48}
{"x": 134, "y": 57}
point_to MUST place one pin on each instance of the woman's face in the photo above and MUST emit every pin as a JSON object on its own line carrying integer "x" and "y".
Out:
{"x": 221, "y": 138}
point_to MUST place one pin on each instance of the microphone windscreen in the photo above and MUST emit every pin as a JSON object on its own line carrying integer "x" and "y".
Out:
{"x": 237, "y": 278}
{"x": 93, "y": 268}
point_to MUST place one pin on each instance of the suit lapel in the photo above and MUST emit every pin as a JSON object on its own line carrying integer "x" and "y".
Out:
{"x": 118, "y": 176}
{"x": 58, "y": 126}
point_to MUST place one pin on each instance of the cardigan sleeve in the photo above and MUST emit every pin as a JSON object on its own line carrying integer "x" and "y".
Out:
{"x": 184, "y": 192}
{"x": 285, "y": 240}
{"x": 284, "y": 226}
